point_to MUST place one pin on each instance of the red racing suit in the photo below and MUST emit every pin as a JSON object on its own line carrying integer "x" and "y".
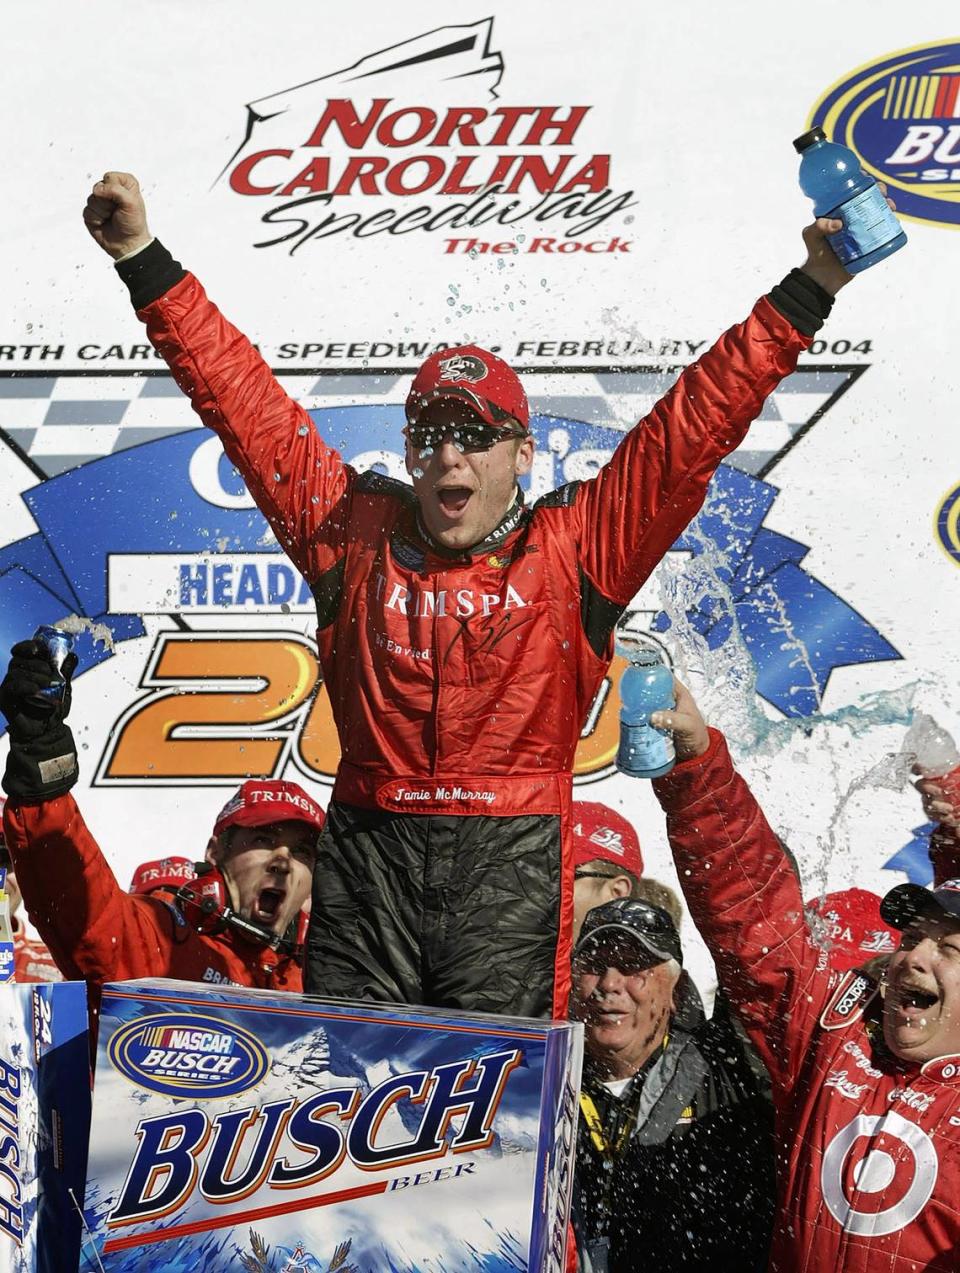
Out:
{"x": 97, "y": 932}
{"x": 459, "y": 682}
{"x": 869, "y": 1145}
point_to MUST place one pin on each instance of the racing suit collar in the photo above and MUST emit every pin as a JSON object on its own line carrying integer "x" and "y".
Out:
{"x": 505, "y": 527}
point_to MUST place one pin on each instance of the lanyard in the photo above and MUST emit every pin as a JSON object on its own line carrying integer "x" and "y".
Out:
{"x": 608, "y": 1148}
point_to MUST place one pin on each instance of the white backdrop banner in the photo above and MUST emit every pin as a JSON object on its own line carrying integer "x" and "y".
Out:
{"x": 594, "y": 201}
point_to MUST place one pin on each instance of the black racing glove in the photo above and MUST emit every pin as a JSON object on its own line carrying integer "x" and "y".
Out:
{"x": 42, "y": 762}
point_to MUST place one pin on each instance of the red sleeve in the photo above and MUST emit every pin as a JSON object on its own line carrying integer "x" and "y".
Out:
{"x": 944, "y": 854}
{"x": 92, "y": 928}
{"x": 301, "y": 485}
{"x": 656, "y": 480}
{"x": 745, "y": 899}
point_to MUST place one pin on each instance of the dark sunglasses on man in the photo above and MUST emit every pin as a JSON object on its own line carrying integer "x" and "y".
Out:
{"x": 467, "y": 437}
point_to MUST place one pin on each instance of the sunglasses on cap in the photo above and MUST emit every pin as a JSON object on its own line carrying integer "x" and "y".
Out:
{"x": 468, "y": 437}
{"x": 628, "y": 918}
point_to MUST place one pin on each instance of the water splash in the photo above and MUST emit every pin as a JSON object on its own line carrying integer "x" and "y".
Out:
{"x": 813, "y": 753}
{"x": 100, "y": 633}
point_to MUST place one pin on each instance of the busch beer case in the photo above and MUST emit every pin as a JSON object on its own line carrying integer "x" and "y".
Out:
{"x": 44, "y": 1125}
{"x": 266, "y": 1132}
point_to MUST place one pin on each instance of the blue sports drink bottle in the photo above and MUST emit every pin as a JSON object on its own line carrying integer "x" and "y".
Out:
{"x": 830, "y": 175}
{"x": 646, "y": 686}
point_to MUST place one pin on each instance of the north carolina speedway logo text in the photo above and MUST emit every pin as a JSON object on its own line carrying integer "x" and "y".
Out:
{"x": 181, "y": 546}
{"x": 349, "y": 150}
{"x": 185, "y": 1152}
{"x": 901, "y": 115}
{"x": 188, "y": 1055}
{"x": 869, "y": 1184}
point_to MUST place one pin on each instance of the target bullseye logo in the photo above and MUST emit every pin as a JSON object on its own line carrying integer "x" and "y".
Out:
{"x": 871, "y": 1186}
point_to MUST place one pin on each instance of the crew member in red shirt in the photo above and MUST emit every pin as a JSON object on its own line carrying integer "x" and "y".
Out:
{"x": 865, "y": 1071}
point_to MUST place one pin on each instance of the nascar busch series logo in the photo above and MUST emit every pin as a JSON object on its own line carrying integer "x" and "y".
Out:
{"x": 901, "y": 115}
{"x": 396, "y": 126}
{"x": 185, "y": 1152}
{"x": 188, "y": 1055}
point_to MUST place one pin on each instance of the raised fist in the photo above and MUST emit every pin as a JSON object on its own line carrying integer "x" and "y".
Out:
{"x": 115, "y": 214}
{"x": 42, "y": 760}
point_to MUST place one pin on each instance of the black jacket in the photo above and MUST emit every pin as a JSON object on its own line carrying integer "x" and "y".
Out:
{"x": 693, "y": 1186}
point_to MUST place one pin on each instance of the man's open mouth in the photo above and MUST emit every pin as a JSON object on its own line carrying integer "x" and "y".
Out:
{"x": 453, "y": 499}
{"x": 267, "y": 905}
{"x": 911, "y": 1000}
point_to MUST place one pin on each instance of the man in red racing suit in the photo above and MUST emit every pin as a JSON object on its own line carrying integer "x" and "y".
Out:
{"x": 866, "y": 1089}
{"x": 259, "y": 862}
{"x": 459, "y": 670}
{"x": 98, "y": 932}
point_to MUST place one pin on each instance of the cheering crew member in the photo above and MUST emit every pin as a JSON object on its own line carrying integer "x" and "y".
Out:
{"x": 866, "y": 1074}
{"x": 463, "y": 635}
{"x": 675, "y": 1140}
{"x": 237, "y": 923}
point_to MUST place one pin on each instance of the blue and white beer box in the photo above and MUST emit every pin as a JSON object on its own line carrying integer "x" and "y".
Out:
{"x": 44, "y": 1124}
{"x": 254, "y": 1130}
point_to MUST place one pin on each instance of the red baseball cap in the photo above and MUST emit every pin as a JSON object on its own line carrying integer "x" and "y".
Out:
{"x": 600, "y": 832}
{"x": 261, "y": 801}
{"x": 472, "y": 375}
{"x": 163, "y": 873}
{"x": 855, "y": 929}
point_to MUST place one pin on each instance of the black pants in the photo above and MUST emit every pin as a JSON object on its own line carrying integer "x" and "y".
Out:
{"x": 453, "y": 912}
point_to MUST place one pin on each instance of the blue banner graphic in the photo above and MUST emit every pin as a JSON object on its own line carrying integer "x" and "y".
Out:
{"x": 914, "y": 858}
{"x": 168, "y": 498}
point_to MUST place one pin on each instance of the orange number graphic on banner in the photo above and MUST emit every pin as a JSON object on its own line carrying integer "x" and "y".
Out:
{"x": 317, "y": 744}
{"x": 212, "y": 700}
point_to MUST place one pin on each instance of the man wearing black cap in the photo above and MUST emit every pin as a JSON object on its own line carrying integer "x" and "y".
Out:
{"x": 463, "y": 636}
{"x": 675, "y": 1142}
{"x": 865, "y": 1073}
